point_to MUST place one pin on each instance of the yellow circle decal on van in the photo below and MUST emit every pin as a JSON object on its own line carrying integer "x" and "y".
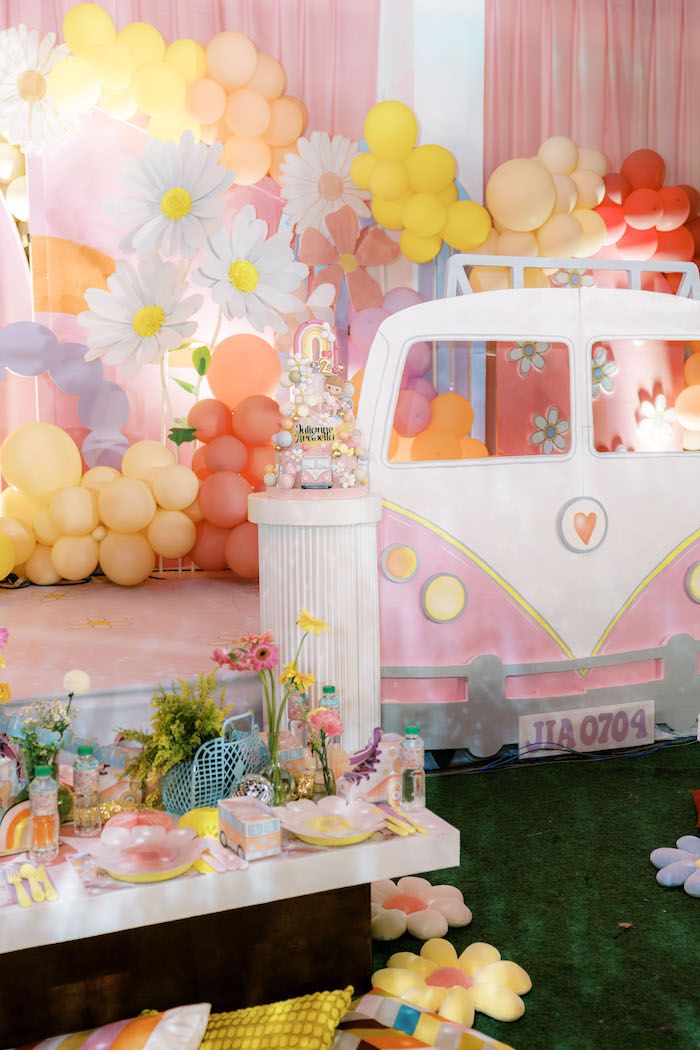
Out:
{"x": 399, "y": 563}
{"x": 692, "y": 582}
{"x": 444, "y": 598}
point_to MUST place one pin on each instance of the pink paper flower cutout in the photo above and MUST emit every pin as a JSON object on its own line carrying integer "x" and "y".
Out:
{"x": 412, "y": 905}
{"x": 347, "y": 255}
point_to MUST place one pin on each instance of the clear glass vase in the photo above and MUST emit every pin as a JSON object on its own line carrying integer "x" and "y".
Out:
{"x": 324, "y": 778}
{"x": 283, "y": 782}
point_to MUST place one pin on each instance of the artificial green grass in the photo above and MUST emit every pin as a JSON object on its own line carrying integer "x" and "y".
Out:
{"x": 553, "y": 858}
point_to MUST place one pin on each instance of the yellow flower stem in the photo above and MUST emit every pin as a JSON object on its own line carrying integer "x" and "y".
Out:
{"x": 303, "y": 639}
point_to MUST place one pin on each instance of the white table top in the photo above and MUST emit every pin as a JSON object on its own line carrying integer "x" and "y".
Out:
{"x": 78, "y": 915}
{"x": 307, "y": 508}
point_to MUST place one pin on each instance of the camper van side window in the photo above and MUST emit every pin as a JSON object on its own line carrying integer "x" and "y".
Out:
{"x": 645, "y": 395}
{"x": 471, "y": 399}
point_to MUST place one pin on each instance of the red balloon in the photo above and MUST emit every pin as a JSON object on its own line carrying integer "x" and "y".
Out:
{"x": 226, "y": 453}
{"x": 258, "y": 459}
{"x": 210, "y": 418}
{"x": 676, "y": 245}
{"x": 209, "y": 551}
{"x": 693, "y": 228}
{"x": 676, "y": 205}
{"x": 412, "y": 413}
{"x": 614, "y": 219}
{"x": 693, "y": 199}
{"x": 256, "y": 419}
{"x": 199, "y": 463}
{"x": 637, "y": 244}
{"x": 242, "y": 551}
{"x": 643, "y": 209}
{"x": 223, "y": 499}
{"x": 617, "y": 188}
{"x": 644, "y": 169}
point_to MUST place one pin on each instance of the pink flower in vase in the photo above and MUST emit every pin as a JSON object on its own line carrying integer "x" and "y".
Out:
{"x": 326, "y": 721}
{"x": 264, "y": 657}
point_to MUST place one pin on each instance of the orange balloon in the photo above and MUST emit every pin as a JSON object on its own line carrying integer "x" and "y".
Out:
{"x": 356, "y": 381}
{"x": 226, "y": 453}
{"x": 241, "y": 366}
{"x": 247, "y": 113}
{"x": 400, "y": 448}
{"x": 223, "y": 499}
{"x": 231, "y": 59}
{"x": 206, "y": 101}
{"x": 437, "y": 444}
{"x": 199, "y": 464}
{"x": 286, "y": 121}
{"x": 242, "y": 551}
{"x": 269, "y": 78}
{"x": 256, "y": 419}
{"x": 473, "y": 449}
{"x": 691, "y": 370}
{"x": 250, "y": 159}
{"x": 209, "y": 551}
{"x": 452, "y": 412}
{"x": 688, "y": 408}
{"x": 258, "y": 459}
{"x": 210, "y": 419}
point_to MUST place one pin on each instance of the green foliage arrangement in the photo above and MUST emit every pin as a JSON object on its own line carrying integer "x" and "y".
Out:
{"x": 184, "y": 717}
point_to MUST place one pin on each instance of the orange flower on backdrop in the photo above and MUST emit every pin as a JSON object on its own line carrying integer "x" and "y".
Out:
{"x": 347, "y": 255}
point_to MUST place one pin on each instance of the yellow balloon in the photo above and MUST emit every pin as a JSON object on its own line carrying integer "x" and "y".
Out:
{"x": 8, "y": 555}
{"x": 594, "y": 232}
{"x": 159, "y": 89}
{"x": 120, "y": 104}
{"x": 567, "y": 193}
{"x": 74, "y": 510}
{"x": 430, "y": 169}
{"x": 521, "y": 195}
{"x": 75, "y": 557}
{"x": 390, "y": 213}
{"x": 74, "y": 84}
{"x": 126, "y": 560}
{"x": 172, "y": 534}
{"x": 560, "y": 237}
{"x": 424, "y": 214}
{"x": 87, "y": 26}
{"x": 16, "y": 504}
{"x": 39, "y": 568}
{"x": 518, "y": 244}
{"x": 389, "y": 179}
{"x": 590, "y": 186}
{"x": 419, "y": 249}
{"x": 126, "y": 505}
{"x": 39, "y": 458}
{"x": 21, "y": 536}
{"x": 114, "y": 65}
{"x": 449, "y": 195}
{"x": 468, "y": 226}
{"x": 176, "y": 487}
{"x": 45, "y": 528}
{"x": 172, "y": 127}
{"x": 363, "y": 164}
{"x": 145, "y": 456}
{"x": 144, "y": 42}
{"x": 189, "y": 58}
{"x": 98, "y": 477}
{"x": 391, "y": 130}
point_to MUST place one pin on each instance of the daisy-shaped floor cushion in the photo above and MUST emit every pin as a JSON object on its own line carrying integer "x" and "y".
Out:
{"x": 413, "y": 905}
{"x": 455, "y": 987}
{"x": 679, "y": 866}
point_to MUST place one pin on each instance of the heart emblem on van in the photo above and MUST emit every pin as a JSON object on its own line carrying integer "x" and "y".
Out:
{"x": 584, "y": 525}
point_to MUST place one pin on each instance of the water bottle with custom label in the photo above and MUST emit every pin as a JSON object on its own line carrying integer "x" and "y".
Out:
{"x": 412, "y": 764}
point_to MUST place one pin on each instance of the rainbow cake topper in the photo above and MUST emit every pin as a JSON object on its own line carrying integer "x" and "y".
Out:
{"x": 316, "y": 341}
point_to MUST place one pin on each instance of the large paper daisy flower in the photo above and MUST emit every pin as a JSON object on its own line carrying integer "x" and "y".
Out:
{"x": 250, "y": 274}
{"x": 142, "y": 316}
{"x": 176, "y": 197}
{"x": 29, "y": 117}
{"x": 317, "y": 182}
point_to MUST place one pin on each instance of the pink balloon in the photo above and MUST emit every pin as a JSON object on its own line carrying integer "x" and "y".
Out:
{"x": 210, "y": 418}
{"x": 401, "y": 299}
{"x": 242, "y": 551}
{"x": 209, "y": 551}
{"x": 363, "y": 328}
{"x": 412, "y": 414}
{"x": 422, "y": 386}
{"x": 226, "y": 453}
{"x": 419, "y": 360}
{"x": 223, "y": 499}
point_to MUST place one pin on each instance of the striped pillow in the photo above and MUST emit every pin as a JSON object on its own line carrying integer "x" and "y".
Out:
{"x": 179, "y": 1029}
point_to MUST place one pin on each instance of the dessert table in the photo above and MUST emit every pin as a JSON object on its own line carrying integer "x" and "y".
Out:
{"x": 285, "y": 926}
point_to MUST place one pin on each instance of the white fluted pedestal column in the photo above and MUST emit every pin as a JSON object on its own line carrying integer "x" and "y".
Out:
{"x": 320, "y": 553}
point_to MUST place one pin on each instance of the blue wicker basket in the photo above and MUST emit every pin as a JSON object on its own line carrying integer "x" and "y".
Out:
{"x": 216, "y": 769}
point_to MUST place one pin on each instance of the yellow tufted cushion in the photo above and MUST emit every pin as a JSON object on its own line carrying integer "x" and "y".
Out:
{"x": 307, "y": 1023}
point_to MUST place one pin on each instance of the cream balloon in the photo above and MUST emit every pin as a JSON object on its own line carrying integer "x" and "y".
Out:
{"x": 512, "y": 243}
{"x": 45, "y": 528}
{"x": 590, "y": 186}
{"x": 521, "y": 195}
{"x": 489, "y": 247}
{"x": 691, "y": 442}
{"x": 22, "y": 537}
{"x": 98, "y": 477}
{"x": 16, "y": 504}
{"x": 126, "y": 505}
{"x": 39, "y": 568}
{"x": 99, "y": 533}
{"x": 567, "y": 193}
{"x": 74, "y": 510}
{"x": 171, "y": 534}
{"x": 40, "y": 458}
{"x": 194, "y": 512}
{"x": 175, "y": 487}
{"x": 593, "y": 160}
{"x": 558, "y": 154}
{"x": 126, "y": 560}
{"x": 145, "y": 456}
{"x": 594, "y": 232}
{"x": 75, "y": 557}
{"x": 560, "y": 237}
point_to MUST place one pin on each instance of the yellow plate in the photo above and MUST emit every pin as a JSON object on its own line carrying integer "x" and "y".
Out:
{"x": 348, "y": 840}
{"x": 160, "y": 876}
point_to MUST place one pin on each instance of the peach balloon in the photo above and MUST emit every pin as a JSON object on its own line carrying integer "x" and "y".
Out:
{"x": 286, "y": 121}
{"x": 74, "y": 510}
{"x": 258, "y": 459}
{"x": 45, "y": 528}
{"x": 39, "y": 568}
{"x": 206, "y": 101}
{"x": 194, "y": 512}
{"x": 521, "y": 194}
{"x": 126, "y": 560}
{"x": 560, "y": 237}
{"x": 256, "y": 419}
{"x": 127, "y": 505}
{"x": 512, "y": 243}
{"x": 209, "y": 551}
{"x": 171, "y": 534}
{"x": 199, "y": 464}
{"x": 144, "y": 456}
{"x": 594, "y": 232}
{"x": 98, "y": 477}
{"x": 226, "y": 453}
{"x": 452, "y": 413}
{"x": 356, "y": 382}
{"x": 303, "y": 110}
{"x": 231, "y": 58}
{"x": 436, "y": 444}
{"x": 21, "y": 536}
{"x": 688, "y": 408}
{"x": 269, "y": 78}
{"x": 40, "y": 458}
{"x": 590, "y": 186}
{"x": 241, "y": 366}
{"x": 567, "y": 193}
{"x": 247, "y": 113}
{"x": 279, "y": 155}
{"x": 473, "y": 449}
{"x": 691, "y": 370}
{"x": 249, "y": 158}
{"x": 175, "y": 487}
{"x": 691, "y": 443}
{"x": 210, "y": 418}
{"x": 223, "y": 498}
{"x": 219, "y": 132}
{"x": 75, "y": 557}
{"x": 242, "y": 551}
{"x": 558, "y": 154}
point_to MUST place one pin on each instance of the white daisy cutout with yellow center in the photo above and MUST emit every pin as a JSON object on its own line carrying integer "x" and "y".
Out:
{"x": 243, "y": 275}
{"x": 176, "y": 203}
{"x": 148, "y": 321}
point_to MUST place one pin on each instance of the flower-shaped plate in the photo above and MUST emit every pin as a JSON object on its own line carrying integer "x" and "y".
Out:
{"x": 147, "y": 854}
{"x": 331, "y": 821}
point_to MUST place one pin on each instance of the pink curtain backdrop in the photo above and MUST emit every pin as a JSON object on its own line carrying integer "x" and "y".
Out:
{"x": 327, "y": 47}
{"x": 615, "y": 75}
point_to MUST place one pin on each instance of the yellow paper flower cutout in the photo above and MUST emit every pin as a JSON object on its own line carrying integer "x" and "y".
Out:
{"x": 311, "y": 624}
{"x": 453, "y": 986}
{"x": 5, "y": 692}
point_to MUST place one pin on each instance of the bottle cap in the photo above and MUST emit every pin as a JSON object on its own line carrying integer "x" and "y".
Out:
{"x": 43, "y": 771}
{"x": 85, "y": 749}
{"x": 412, "y": 730}
{"x": 329, "y": 688}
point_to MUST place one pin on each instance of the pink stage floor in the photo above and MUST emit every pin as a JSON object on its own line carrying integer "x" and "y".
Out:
{"x": 123, "y": 637}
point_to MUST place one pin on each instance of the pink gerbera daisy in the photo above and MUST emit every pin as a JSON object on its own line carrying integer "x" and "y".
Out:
{"x": 264, "y": 657}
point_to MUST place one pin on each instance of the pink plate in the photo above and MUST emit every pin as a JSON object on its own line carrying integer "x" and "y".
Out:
{"x": 147, "y": 853}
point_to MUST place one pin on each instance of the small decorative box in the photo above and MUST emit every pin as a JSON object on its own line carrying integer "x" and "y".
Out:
{"x": 249, "y": 828}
